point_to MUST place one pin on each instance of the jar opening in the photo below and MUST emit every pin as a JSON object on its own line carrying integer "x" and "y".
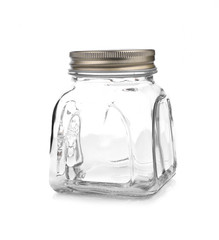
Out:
{"x": 117, "y": 74}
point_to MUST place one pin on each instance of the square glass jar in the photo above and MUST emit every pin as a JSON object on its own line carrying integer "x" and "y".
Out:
{"x": 112, "y": 132}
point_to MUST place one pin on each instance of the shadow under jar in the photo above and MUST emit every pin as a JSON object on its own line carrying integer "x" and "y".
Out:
{"x": 112, "y": 132}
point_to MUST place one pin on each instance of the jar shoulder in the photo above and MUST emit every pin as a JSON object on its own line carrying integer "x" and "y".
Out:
{"x": 124, "y": 96}
{"x": 89, "y": 91}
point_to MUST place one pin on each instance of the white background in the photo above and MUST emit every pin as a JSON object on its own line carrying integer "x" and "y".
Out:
{"x": 35, "y": 40}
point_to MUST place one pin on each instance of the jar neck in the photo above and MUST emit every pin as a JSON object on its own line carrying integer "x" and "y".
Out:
{"x": 114, "y": 77}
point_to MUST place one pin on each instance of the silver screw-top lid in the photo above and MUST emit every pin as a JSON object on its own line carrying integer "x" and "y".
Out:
{"x": 112, "y": 60}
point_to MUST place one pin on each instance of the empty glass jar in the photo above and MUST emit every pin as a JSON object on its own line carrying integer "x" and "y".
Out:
{"x": 112, "y": 132}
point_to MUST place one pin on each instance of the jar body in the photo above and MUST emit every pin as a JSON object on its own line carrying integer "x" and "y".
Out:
{"x": 112, "y": 135}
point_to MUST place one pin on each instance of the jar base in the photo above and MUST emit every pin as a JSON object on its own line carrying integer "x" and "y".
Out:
{"x": 129, "y": 189}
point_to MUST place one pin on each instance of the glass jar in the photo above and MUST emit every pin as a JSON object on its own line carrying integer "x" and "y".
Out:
{"x": 112, "y": 132}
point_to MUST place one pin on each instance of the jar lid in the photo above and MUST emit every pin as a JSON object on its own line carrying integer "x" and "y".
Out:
{"x": 112, "y": 60}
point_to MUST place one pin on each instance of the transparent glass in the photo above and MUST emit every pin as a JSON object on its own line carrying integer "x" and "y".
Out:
{"x": 112, "y": 134}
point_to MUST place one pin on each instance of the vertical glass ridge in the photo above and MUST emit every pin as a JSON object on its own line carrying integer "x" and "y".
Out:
{"x": 163, "y": 141}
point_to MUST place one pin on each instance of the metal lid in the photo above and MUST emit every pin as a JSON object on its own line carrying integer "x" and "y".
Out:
{"x": 112, "y": 60}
